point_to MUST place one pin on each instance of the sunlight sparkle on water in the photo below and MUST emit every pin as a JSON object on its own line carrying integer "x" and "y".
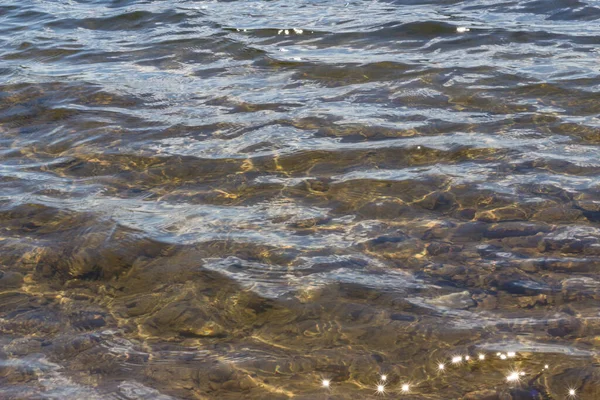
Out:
{"x": 513, "y": 377}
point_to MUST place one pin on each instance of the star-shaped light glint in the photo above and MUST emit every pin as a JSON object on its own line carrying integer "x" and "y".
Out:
{"x": 514, "y": 376}
{"x": 457, "y": 359}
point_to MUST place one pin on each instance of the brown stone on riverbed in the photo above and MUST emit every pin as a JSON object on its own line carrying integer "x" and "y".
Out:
{"x": 440, "y": 230}
{"x": 482, "y": 395}
{"x": 502, "y": 214}
{"x": 585, "y": 380}
{"x": 384, "y": 209}
{"x": 580, "y": 288}
{"x": 142, "y": 304}
{"x": 516, "y": 282}
{"x": 438, "y": 201}
{"x": 572, "y": 264}
{"x": 465, "y": 213}
{"x": 438, "y": 248}
{"x": 574, "y": 239}
{"x": 486, "y": 301}
{"x": 528, "y": 265}
{"x": 532, "y": 301}
{"x": 186, "y": 320}
{"x": 10, "y": 280}
{"x": 513, "y": 229}
{"x": 470, "y": 231}
{"x": 558, "y": 214}
{"x": 590, "y": 209}
{"x": 456, "y": 301}
{"x": 399, "y": 246}
{"x": 588, "y": 205}
{"x": 570, "y": 326}
{"x": 222, "y": 372}
{"x": 446, "y": 270}
{"x": 524, "y": 242}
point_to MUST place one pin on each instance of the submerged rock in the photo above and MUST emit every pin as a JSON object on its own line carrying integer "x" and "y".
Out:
{"x": 572, "y": 239}
{"x": 10, "y": 280}
{"x": 486, "y": 394}
{"x": 438, "y": 201}
{"x": 457, "y": 301}
{"x": 512, "y": 229}
{"x": 502, "y": 214}
{"x": 470, "y": 231}
{"x": 555, "y": 215}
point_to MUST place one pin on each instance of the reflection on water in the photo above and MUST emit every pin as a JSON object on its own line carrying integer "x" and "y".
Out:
{"x": 310, "y": 199}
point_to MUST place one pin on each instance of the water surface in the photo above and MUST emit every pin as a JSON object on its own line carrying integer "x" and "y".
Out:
{"x": 240, "y": 199}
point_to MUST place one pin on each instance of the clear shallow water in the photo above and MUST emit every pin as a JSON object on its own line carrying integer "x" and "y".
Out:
{"x": 240, "y": 199}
